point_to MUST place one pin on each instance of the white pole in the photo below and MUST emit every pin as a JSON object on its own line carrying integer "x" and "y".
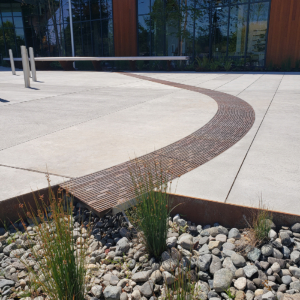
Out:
{"x": 28, "y": 62}
{"x": 12, "y": 63}
{"x": 32, "y": 64}
{"x": 25, "y": 66}
{"x": 71, "y": 30}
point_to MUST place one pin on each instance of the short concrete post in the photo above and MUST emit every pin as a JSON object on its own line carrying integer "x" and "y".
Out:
{"x": 27, "y": 57}
{"x": 12, "y": 63}
{"x": 32, "y": 64}
{"x": 25, "y": 64}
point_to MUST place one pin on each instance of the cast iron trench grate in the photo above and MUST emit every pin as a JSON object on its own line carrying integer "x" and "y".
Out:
{"x": 107, "y": 188}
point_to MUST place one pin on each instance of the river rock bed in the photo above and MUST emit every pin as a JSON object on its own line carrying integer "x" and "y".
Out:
{"x": 222, "y": 262}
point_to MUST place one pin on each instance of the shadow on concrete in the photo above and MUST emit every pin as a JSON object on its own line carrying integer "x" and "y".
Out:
{"x": 4, "y": 101}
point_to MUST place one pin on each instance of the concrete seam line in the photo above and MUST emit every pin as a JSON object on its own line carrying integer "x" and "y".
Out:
{"x": 227, "y": 82}
{"x": 253, "y": 140}
{"x": 249, "y": 85}
{"x": 98, "y": 117}
{"x": 35, "y": 171}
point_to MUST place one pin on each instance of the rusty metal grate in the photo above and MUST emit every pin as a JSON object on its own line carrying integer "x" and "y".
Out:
{"x": 107, "y": 188}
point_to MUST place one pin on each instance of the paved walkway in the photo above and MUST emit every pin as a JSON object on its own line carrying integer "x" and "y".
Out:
{"x": 77, "y": 123}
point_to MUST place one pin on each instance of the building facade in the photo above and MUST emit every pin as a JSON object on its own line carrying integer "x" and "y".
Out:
{"x": 244, "y": 31}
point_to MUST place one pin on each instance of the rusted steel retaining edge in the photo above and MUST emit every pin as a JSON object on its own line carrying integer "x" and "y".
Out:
{"x": 198, "y": 211}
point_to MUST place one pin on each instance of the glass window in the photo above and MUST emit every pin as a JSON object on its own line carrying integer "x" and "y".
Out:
{"x": 202, "y": 32}
{"x": 187, "y": 35}
{"x": 144, "y": 35}
{"x": 10, "y": 39}
{"x": 86, "y": 37}
{"x": 16, "y": 9}
{"x": 18, "y": 21}
{"x": 219, "y": 2}
{"x": 157, "y": 28}
{"x": 187, "y": 4}
{"x": 219, "y": 31}
{"x": 258, "y": 22}
{"x": 7, "y": 22}
{"x": 85, "y": 10}
{"x": 77, "y": 39}
{"x": 143, "y": 7}
{"x": 202, "y": 3}
{"x": 20, "y": 38}
{"x": 5, "y": 10}
{"x": 239, "y": 1}
{"x": 107, "y": 37}
{"x": 97, "y": 37}
{"x": 237, "y": 31}
{"x": 76, "y": 10}
{"x": 106, "y": 9}
{"x": 95, "y": 9}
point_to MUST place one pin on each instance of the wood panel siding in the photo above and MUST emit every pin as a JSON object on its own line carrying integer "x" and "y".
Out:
{"x": 284, "y": 32}
{"x": 125, "y": 30}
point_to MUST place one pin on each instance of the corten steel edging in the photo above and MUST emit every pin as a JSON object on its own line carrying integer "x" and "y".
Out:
{"x": 203, "y": 212}
{"x": 110, "y": 187}
{"x": 10, "y": 209}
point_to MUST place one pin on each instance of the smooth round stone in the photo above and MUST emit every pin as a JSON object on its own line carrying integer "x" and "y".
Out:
{"x": 286, "y": 279}
{"x": 221, "y": 237}
{"x": 267, "y": 250}
{"x": 240, "y": 283}
{"x": 228, "y": 246}
{"x": 234, "y": 233}
{"x": 296, "y": 227}
{"x": 276, "y": 267}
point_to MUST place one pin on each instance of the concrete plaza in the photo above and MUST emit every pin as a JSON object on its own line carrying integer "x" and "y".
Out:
{"x": 72, "y": 124}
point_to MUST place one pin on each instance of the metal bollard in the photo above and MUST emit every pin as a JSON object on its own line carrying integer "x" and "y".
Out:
{"x": 32, "y": 64}
{"x": 12, "y": 63}
{"x": 25, "y": 64}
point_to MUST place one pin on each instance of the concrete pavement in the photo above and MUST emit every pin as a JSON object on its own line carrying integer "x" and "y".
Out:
{"x": 76, "y": 123}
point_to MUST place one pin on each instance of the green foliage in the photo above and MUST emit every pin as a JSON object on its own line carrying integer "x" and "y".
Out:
{"x": 203, "y": 63}
{"x": 229, "y": 294}
{"x": 261, "y": 222}
{"x": 184, "y": 286}
{"x": 61, "y": 273}
{"x": 214, "y": 64}
{"x": 227, "y": 64}
{"x": 151, "y": 210}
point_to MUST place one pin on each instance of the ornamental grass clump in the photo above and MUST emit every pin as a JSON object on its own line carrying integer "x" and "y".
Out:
{"x": 151, "y": 209}
{"x": 55, "y": 262}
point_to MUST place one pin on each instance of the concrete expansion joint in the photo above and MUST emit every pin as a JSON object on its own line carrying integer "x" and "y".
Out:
{"x": 36, "y": 171}
{"x": 238, "y": 172}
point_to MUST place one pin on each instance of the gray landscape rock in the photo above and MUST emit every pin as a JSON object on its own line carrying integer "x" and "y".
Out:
{"x": 296, "y": 227}
{"x": 213, "y": 231}
{"x": 96, "y": 290}
{"x": 295, "y": 271}
{"x": 221, "y": 238}
{"x": 239, "y": 273}
{"x": 272, "y": 234}
{"x": 287, "y": 279}
{"x": 254, "y": 254}
{"x": 171, "y": 241}
{"x": 228, "y": 246}
{"x": 136, "y": 295}
{"x": 5, "y": 282}
{"x": 122, "y": 246}
{"x": 186, "y": 241}
{"x": 234, "y": 233}
{"x": 281, "y": 262}
{"x": 295, "y": 256}
{"x": 238, "y": 260}
{"x": 286, "y": 252}
{"x": 267, "y": 250}
{"x": 295, "y": 285}
{"x": 147, "y": 288}
{"x": 124, "y": 296}
{"x": 170, "y": 264}
{"x": 240, "y": 283}
{"x": 276, "y": 267}
{"x": 250, "y": 270}
{"x": 228, "y": 253}
{"x": 204, "y": 250}
{"x": 140, "y": 276}
{"x": 203, "y": 262}
{"x": 156, "y": 276}
{"x": 114, "y": 280}
{"x": 277, "y": 253}
{"x": 269, "y": 296}
{"x": 9, "y": 248}
{"x": 112, "y": 292}
{"x": 222, "y": 280}
{"x": 228, "y": 264}
{"x": 131, "y": 264}
{"x": 215, "y": 265}
{"x": 124, "y": 232}
{"x": 168, "y": 278}
{"x": 285, "y": 238}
